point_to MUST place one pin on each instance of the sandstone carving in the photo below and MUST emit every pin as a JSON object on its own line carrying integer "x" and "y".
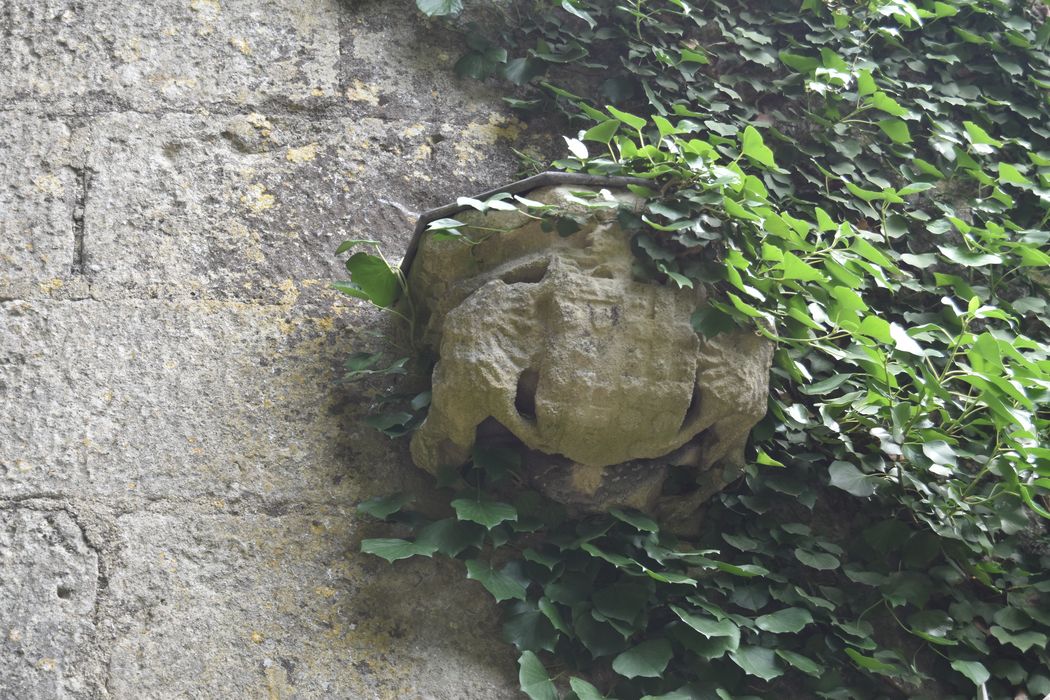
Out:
{"x": 549, "y": 341}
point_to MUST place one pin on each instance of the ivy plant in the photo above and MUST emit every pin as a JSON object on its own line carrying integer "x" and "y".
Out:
{"x": 867, "y": 184}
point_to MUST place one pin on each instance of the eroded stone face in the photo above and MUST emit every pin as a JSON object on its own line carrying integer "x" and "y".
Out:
{"x": 600, "y": 376}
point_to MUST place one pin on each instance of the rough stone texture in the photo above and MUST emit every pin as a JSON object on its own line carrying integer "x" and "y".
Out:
{"x": 550, "y": 337}
{"x": 185, "y": 52}
{"x": 50, "y": 578}
{"x": 38, "y": 191}
{"x": 179, "y": 465}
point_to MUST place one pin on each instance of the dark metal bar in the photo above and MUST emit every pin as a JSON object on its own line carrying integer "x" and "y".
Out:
{"x": 535, "y": 182}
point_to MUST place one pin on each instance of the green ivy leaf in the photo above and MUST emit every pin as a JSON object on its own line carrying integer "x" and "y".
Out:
{"x": 974, "y": 670}
{"x": 630, "y": 120}
{"x": 802, "y": 663}
{"x": 439, "y": 8}
{"x": 501, "y": 584}
{"x": 817, "y": 560}
{"x": 370, "y": 279}
{"x": 904, "y": 342}
{"x": 851, "y": 480}
{"x": 584, "y": 690}
{"x": 393, "y": 549}
{"x": 709, "y": 627}
{"x": 797, "y": 269}
{"x": 869, "y": 663}
{"x": 571, "y": 6}
{"x": 533, "y": 678}
{"x": 647, "y": 660}
{"x": 788, "y": 620}
{"x": 978, "y": 136}
{"x": 1022, "y": 640}
{"x": 967, "y": 258}
{"x": 385, "y": 506}
{"x": 896, "y": 129}
{"x": 757, "y": 661}
{"x": 752, "y": 146}
{"x": 635, "y": 519}
{"x": 551, "y": 612}
{"x": 622, "y": 601}
{"x": 602, "y": 133}
{"x": 484, "y": 511}
{"x": 530, "y": 630}
{"x": 347, "y": 245}
{"x": 940, "y": 452}
{"x": 450, "y": 536}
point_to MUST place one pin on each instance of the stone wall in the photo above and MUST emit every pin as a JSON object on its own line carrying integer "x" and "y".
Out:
{"x": 179, "y": 467}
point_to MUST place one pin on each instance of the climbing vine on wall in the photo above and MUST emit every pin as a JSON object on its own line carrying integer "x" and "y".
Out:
{"x": 867, "y": 184}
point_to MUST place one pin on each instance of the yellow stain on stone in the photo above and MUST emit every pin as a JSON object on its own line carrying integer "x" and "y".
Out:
{"x": 47, "y": 664}
{"x": 414, "y": 130}
{"x": 303, "y": 154}
{"x": 261, "y": 123}
{"x": 277, "y": 683}
{"x": 48, "y": 184}
{"x": 325, "y": 591}
{"x": 131, "y": 51}
{"x": 241, "y": 45}
{"x": 360, "y": 92}
{"x": 422, "y": 152}
{"x": 258, "y": 199}
{"x": 290, "y": 293}
{"x": 475, "y": 134}
{"x": 355, "y": 170}
{"x": 586, "y": 479}
{"x": 205, "y": 6}
{"x": 317, "y": 92}
{"x": 257, "y": 637}
{"x": 51, "y": 286}
{"x": 247, "y": 241}
{"x": 164, "y": 80}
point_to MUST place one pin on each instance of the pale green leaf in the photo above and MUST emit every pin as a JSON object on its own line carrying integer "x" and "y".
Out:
{"x": 533, "y": 678}
{"x": 647, "y": 660}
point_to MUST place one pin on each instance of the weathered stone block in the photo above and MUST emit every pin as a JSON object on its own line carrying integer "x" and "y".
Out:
{"x": 212, "y": 605}
{"x": 48, "y": 586}
{"x": 550, "y": 337}
{"x": 37, "y": 198}
{"x": 216, "y": 401}
{"x": 232, "y": 207}
{"x": 174, "y": 177}
{"x": 393, "y": 68}
{"x": 169, "y": 52}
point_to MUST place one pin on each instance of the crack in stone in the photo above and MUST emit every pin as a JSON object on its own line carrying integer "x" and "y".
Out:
{"x": 328, "y": 108}
{"x": 244, "y": 506}
{"x": 80, "y": 194}
{"x": 332, "y": 109}
{"x": 47, "y": 502}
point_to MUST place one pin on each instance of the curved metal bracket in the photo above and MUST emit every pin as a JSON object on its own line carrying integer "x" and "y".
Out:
{"x": 545, "y": 179}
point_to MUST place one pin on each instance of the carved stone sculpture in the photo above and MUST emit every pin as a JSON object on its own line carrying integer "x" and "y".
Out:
{"x": 549, "y": 340}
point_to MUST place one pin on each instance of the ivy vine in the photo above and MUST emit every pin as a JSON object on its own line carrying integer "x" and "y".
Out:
{"x": 868, "y": 185}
